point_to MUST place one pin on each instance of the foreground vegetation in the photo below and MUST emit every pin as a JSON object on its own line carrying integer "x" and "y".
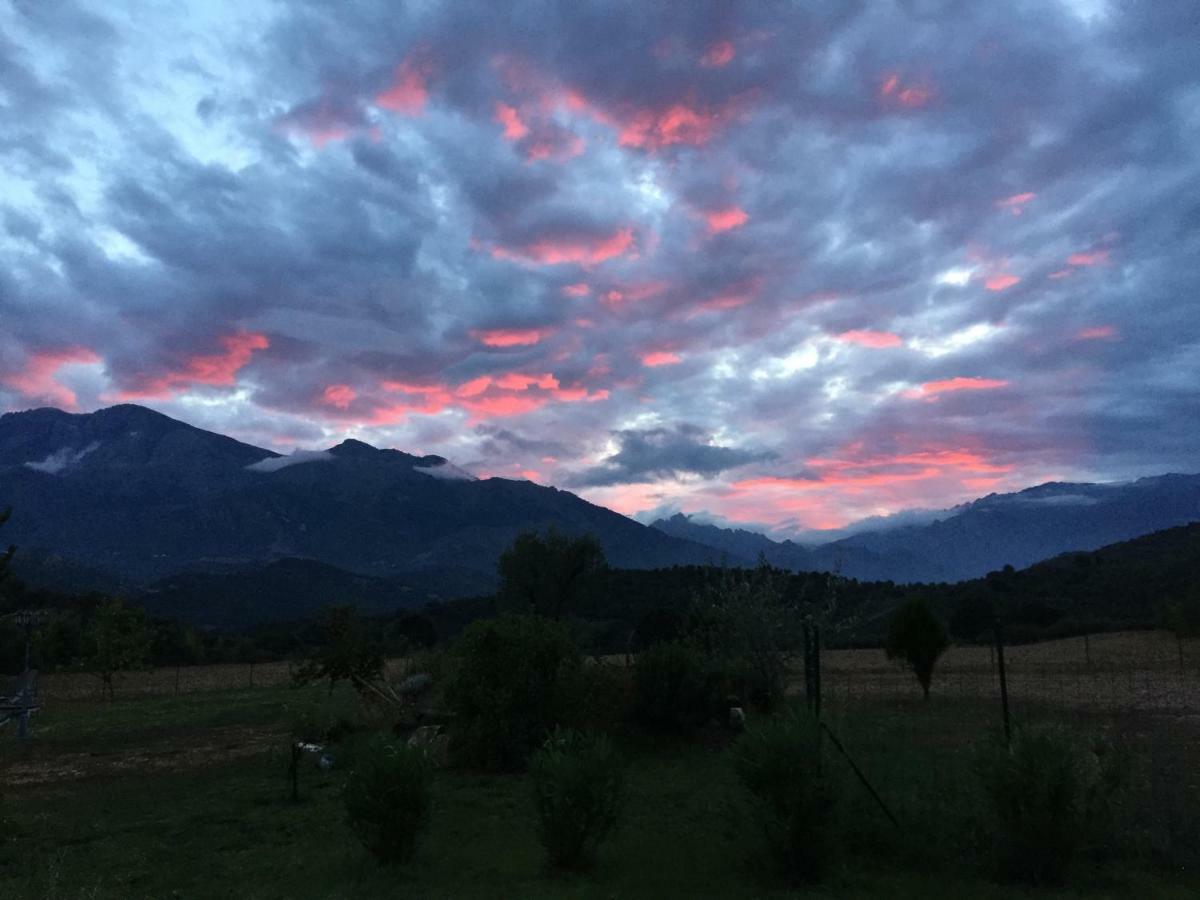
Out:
{"x": 204, "y": 811}
{"x": 510, "y": 764}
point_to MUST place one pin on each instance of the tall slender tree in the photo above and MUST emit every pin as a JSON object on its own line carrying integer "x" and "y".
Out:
{"x": 917, "y": 637}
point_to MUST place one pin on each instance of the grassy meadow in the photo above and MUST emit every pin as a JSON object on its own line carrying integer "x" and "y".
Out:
{"x": 165, "y": 795}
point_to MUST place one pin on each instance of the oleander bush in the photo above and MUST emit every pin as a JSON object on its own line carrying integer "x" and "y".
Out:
{"x": 1049, "y": 796}
{"x": 513, "y": 680}
{"x": 793, "y": 794}
{"x": 578, "y": 792}
{"x": 388, "y": 798}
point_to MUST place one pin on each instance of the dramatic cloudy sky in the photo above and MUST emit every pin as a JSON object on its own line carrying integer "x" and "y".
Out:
{"x": 787, "y": 264}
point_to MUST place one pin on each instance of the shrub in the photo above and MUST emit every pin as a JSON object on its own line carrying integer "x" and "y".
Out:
{"x": 675, "y": 688}
{"x": 578, "y": 792}
{"x": 388, "y": 798}
{"x": 779, "y": 764}
{"x": 1048, "y": 795}
{"x": 747, "y": 625}
{"x": 514, "y": 679}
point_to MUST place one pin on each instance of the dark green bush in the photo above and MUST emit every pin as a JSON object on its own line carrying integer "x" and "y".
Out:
{"x": 747, "y": 625}
{"x": 578, "y": 792}
{"x": 1049, "y": 795}
{"x": 389, "y": 798}
{"x": 675, "y": 688}
{"x": 513, "y": 679}
{"x": 793, "y": 794}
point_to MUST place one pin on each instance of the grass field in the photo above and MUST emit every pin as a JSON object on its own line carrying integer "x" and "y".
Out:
{"x": 164, "y": 795}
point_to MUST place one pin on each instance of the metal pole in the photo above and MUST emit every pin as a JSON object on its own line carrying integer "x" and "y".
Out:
{"x": 817, "y": 668}
{"x": 999, "y": 637}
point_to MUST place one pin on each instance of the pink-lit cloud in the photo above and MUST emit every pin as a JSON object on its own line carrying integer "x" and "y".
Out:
{"x": 512, "y": 337}
{"x": 208, "y": 370}
{"x": 1098, "y": 333}
{"x": 38, "y": 380}
{"x": 953, "y": 385}
{"x": 339, "y": 395}
{"x": 731, "y": 217}
{"x": 562, "y": 249}
{"x": 660, "y": 358}
{"x": 580, "y": 289}
{"x": 877, "y": 340}
{"x": 718, "y": 55}
{"x": 510, "y": 119}
{"x": 1001, "y": 282}
{"x": 894, "y": 90}
{"x": 409, "y": 89}
{"x": 1016, "y": 203}
{"x": 1092, "y": 258}
{"x": 634, "y": 292}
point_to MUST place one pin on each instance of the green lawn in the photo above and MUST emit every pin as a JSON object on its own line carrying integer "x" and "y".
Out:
{"x": 218, "y": 823}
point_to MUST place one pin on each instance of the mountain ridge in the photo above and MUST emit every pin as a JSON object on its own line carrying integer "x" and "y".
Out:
{"x": 982, "y": 535}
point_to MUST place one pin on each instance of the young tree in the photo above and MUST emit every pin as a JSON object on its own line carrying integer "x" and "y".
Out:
{"x": 347, "y": 654}
{"x": 916, "y": 636}
{"x": 119, "y": 639}
{"x": 546, "y": 575}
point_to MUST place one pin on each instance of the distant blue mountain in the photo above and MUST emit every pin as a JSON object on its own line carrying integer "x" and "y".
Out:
{"x": 971, "y": 540}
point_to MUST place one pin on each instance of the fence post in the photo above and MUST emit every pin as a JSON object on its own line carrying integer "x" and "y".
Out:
{"x": 817, "y": 668}
{"x": 251, "y": 673}
{"x": 999, "y": 638}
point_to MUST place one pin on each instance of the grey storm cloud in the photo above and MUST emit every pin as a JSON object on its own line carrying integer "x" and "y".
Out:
{"x": 659, "y": 453}
{"x": 957, "y": 235}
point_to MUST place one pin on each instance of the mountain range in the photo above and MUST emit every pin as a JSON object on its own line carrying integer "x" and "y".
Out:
{"x": 139, "y": 496}
{"x": 126, "y": 498}
{"x": 970, "y": 540}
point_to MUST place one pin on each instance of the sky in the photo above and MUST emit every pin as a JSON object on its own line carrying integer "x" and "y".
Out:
{"x": 780, "y": 265}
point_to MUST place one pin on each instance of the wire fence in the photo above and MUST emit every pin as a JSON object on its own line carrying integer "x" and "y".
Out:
{"x": 82, "y": 686}
{"x": 1142, "y": 671}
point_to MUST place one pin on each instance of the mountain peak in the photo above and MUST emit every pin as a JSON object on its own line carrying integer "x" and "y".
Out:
{"x": 353, "y": 448}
